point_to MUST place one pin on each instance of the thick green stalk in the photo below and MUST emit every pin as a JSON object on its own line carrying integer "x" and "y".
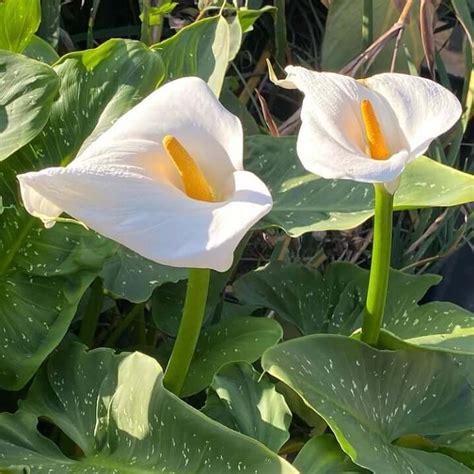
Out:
{"x": 189, "y": 329}
{"x": 380, "y": 266}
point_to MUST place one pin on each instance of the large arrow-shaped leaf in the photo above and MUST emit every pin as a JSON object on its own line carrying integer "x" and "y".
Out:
{"x": 114, "y": 407}
{"x": 372, "y": 398}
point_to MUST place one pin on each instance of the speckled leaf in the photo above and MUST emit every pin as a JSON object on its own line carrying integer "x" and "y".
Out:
{"x": 27, "y": 91}
{"x": 97, "y": 87}
{"x": 323, "y": 455}
{"x": 235, "y": 340}
{"x": 371, "y": 398}
{"x": 114, "y": 407}
{"x": 343, "y": 35}
{"x": 201, "y": 49}
{"x": 132, "y": 277}
{"x": 303, "y": 296}
{"x": 43, "y": 273}
{"x": 40, "y": 50}
{"x": 19, "y": 19}
{"x": 249, "y": 403}
{"x": 333, "y": 303}
{"x": 304, "y": 202}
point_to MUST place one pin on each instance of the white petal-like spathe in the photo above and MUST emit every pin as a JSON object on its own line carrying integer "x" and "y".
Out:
{"x": 423, "y": 108}
{"x": 150, "y": 216}
{"x": 187, "y": 109}
{"x": 331, "y": 141}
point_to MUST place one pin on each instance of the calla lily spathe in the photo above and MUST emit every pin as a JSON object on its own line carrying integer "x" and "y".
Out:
{"x": 135, "y": 183}
{"x": 400, "y": 114}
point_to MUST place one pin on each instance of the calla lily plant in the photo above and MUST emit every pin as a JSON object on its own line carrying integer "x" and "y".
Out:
{"x": 167, "y": 181}
{"x": 368, "y": 130}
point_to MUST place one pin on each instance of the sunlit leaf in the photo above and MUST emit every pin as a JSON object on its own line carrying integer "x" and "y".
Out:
{"x": 19, "y": 19}
{"x": 27, "y": 90}
{"x": 372, "y": 398}
{"x": 248, "y": 403}
{"x": 201, "y": 49}
{"x": 114, "y": 407}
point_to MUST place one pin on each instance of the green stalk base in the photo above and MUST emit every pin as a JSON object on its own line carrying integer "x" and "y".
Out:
{"x": 380, "y": 266}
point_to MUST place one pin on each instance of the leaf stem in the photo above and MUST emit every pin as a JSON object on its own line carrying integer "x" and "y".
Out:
{"x": 380, "y": 266}
{"x": 135, "y": 312}
{"x": 92, "y": 313}
{"x": 189, "y": 329}
{"x": 368, "y": 24}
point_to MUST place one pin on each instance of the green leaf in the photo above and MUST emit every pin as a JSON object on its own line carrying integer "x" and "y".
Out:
{"x": 235, "y": 340}
{"x": 249, "y": 404}
{"x": 304, "y": 297}
{"x": 333, "y": 303}
{"x": 132, "y": 277}
{"x": 28, "y": 89}
{"x": 97, "y": 87}
{"x": 41, "y": 51}
{"x": 371, "y": 398}
{"x": 248, "y": 17}
{"x": 43, "y": 273}
{"x": 19, "y": 19}
{"x": 323, "y": 455}
{"x": 50, "y": 21}
{"x": 201, "y": 49}
{"x": 114, "y": 407}
{"x": 304, "y": 202}
{"x": 457, "y": 445}
{"x": 343, "y": 39}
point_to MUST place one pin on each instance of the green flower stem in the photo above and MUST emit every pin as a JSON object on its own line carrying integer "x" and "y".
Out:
{"x": 189, "y": 329}
{"x": 92, "y": 313}
{"x": 380, "y": 266}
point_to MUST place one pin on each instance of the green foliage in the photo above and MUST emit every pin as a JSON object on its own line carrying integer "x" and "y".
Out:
{"x": 19, "y": 19}
{"x": 340, "y": 294}
{"x": 304, "y": 202}
{"x": 325, "y": 402}
{"x": 56, "y": 266}
{"x": 130, "y": 276}
{"x": 114, "y": 407}
{"x": 240, "y": 398}
{"x": 372, "y": 398}
{"x": 239, "y": 339}
{"x": 206, "y": 52}
{"x": 323, "y": 455}
{"x": 344, "y": 42}
{"x": 28, "y": 90}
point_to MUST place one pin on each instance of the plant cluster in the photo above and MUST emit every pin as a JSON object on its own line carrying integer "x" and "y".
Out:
{"x": 213, "y": 250}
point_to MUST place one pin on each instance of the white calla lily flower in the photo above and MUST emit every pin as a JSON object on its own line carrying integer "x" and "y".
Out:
{"x": 368, "y": 130}
{"x": 166, "y": 180}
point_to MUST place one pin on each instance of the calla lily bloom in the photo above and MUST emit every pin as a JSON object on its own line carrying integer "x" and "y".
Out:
{"x": 166, "y": 180}
{"x": 368, "y": 130}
